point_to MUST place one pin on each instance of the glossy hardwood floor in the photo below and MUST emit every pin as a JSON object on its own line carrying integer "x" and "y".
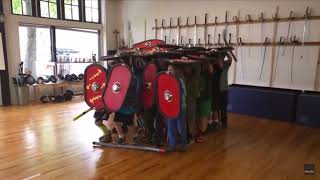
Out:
{"x": 42, "y": 142}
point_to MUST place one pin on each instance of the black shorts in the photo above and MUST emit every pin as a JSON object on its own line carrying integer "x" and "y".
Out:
{"x": 126, "y": 119}
{"x": 100, "y": 116}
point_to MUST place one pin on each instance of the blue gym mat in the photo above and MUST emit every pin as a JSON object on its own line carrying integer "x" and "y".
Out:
{"x": 277, "y": 104}
{"x": 308, "y": 109}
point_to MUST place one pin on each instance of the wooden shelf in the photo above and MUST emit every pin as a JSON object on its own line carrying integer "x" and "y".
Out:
{"x": 256, "y": 21}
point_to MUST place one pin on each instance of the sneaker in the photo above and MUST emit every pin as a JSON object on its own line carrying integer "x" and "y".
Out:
{"x": 135, "y": 140}
{"x": 224, "y": 124}
{"x": 200, "y": 138}
{"x": 105, "y": 138}
{"x": 170, "y": 149}
{"x": 182, "y": 148}
{"x": 212, "y": 127}
{"x": 121, "y": 141}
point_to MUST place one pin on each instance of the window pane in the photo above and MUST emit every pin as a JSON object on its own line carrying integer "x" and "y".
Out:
{"x": 35, "y": 50}
{"x": 53, "y": 10}
{"x": 95, "y": 4}
{"x": 26, "y": 5}
{"x": 16, "y": 7}
{"x": 67, "y": 11}
{"x": 44, "y": 9}
{"x": 75, "y": 12}
{"x": 52, "y": 1}
{"x": 95, "y": 15}
{"x": 88, "y": 3}
{"x": 75, "y": 2}
{"x": 88, "y": 15}
{"x": 77, "y": 46}
{"x": 67, "y": 1}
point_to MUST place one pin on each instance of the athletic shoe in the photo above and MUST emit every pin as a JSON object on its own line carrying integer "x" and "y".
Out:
{"x": 106, "y": 138}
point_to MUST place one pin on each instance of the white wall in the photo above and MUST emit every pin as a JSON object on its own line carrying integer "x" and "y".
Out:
{"x": 12, "y": 36}
{"x": 304, "y": 70}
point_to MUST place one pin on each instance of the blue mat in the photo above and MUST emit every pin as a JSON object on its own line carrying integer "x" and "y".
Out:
{"x": 308, "y": 109}
{"x": 277, "y": 104}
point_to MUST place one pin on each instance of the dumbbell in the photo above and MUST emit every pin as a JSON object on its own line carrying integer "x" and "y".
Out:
{"x": 53, "y": 79}
{"x": 68, "y": 77}
{"x": 80, "y": 76}
{"x": 40, "y": 80}
{"x": 60, "y": 77}
{"x": 74, "y": 77}
{"x": 44, "y": 99}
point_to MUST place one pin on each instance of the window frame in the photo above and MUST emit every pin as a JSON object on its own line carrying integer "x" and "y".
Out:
{"x": 33, "y": 9}
{"x": 36, "y": 11}
{"x": 58, "y": 4}
{"x": 99, "y": 12}
{"x": 53, "y": 39}
{"x": 63, "y": 12}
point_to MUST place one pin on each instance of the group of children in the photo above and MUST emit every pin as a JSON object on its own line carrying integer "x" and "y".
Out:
{"x": 204, "y": 95}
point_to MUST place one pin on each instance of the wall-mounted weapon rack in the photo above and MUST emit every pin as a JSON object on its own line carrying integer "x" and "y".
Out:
{"x": 252, "y": 21}
{"x": 240, "y": 22}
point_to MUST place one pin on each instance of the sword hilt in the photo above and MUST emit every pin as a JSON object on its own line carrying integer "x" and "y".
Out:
{"x": 294, "y": 39}
{"x": 187, "y": 24}
{"x": 248, "y": 18}
{"x": 205, "y": 18}
{"x": 292, "y": 15}
{"x": 261, "y": 18}
{"x": 239, "y": 41}
{"x": 308, "y": 12}
{"x": 282, "y": 39}
{"x": 235, "y": 19}
{"x": 195, "y": 20}
{"x": 215, "y": 20}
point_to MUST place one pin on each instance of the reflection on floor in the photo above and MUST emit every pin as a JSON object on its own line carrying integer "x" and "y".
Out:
{"x": 42, "y": 142}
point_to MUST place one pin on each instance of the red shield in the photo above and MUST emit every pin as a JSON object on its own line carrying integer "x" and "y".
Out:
{"x": 149, "y": 74}
{"x": 168, "y": 95}
{"x": 117, "y": 87}
{"x": 95, "y": 77}
{"x": 148, "y": 43}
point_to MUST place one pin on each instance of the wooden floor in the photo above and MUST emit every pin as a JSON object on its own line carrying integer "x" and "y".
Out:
{"x": 42, "y": 142}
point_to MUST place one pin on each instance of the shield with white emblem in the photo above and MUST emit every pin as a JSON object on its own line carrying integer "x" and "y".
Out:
{"x": 117, "y": 86}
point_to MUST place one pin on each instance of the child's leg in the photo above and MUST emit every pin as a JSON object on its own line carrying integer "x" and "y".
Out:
{"x": 171, "y": 133}
{"x": 182, "y": 128}
{"x": 133, "y": 127}
{"x": 117, "y": 124}
{"x": 191, "y": 118}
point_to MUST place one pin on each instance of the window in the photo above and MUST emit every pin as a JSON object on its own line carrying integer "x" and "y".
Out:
{"x": 22, "y": 7}
{"x": 77, "y": 10}
{"x": 48, "y": 8}
{"x": 74, "y": 49}
{"x": 71, "y": 9}
{"x": 35, "y": 50}
{"x": 92, "y": 10}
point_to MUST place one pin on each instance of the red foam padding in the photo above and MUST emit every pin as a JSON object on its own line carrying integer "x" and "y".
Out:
{"x": 121, "y": 74}
{"x": 148, "y": 43}
{"x": 150, "y": 72}
{"x": 168, "y": 82}
{"x": 94, "y": 74}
